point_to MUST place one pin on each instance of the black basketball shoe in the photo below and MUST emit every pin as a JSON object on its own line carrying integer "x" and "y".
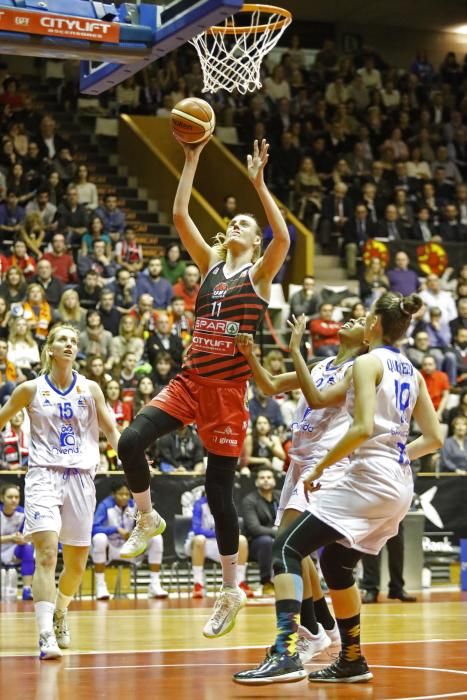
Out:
{"x": 342, "y": 671}
{"x": 276, "y": 668}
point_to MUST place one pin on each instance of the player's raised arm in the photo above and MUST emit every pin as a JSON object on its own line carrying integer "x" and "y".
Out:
{"x": 269, "y": 264}
{"x": 424, "y": 413}
{"x": 200, "y": 252}
{"x": 19, "y": 399}
{"x": 268, "y": 383}
{"x": 106, "y": 422}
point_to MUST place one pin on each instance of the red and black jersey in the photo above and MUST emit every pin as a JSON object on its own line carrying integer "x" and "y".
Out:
{"x": 225, "y": 306}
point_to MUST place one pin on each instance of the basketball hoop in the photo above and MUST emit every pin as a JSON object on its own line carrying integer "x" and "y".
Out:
{"x": 231, "y": 54}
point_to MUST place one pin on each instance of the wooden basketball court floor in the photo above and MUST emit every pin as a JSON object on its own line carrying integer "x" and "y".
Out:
{"x": 155, "y": 649}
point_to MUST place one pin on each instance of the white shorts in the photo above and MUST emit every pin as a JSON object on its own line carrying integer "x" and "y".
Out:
{"x": 8, "y": 554}
{"x": 366, "y": 512}
{"x": 293, "y": 494}
{"x": 211, "y": 550}
{"x": 61, "y": 501}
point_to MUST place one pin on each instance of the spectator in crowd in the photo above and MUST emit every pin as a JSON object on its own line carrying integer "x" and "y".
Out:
{"x": 65, "y": 165}
{"x": 89, "y": 290}
{"x": 460, "y": 350}
{"x": 356, "y": 232}
{"x": 145, "y": 392}
{"x": 201, "y": 544}
{"x": 128, "y": 379}
{"x": 52, "y": 286}
{"x": 146, "y": 315}
{"x": 229, "y": 208}
{"x": 112, "y": 217}
{"x": 439, "y": 338}
{"x": 151, "y": 282}
{"x": 437, "y": 384}
{"x": 262, "y": 446}
{"x": 20, "y": 258}
{"x": 173, "y": 266}
{"x": 70, "y": 311}
{"x": 451, "y": 229}
{"x": 421, "y": 348}
{"x": 181, "y": 451}
{"x": 122, "y": 410}
{"x": 306, "y": 300}
{"x": 95, "y": 232}
{"x": 453, "y": 457}
{"x": 262, "y": 405}
{"x": 163, "y": 339}
{"x": 23, "y": 350}
{"x": 14, "y": 549}
{"x": 286, "y": 164}
{"x": 336, "y": 211}
{"x": 87, "y": 191}
{"x": 48, "y": 140}
{"x": 324, "y": 332}
{"x": 47, "y": 211}
{"x": 8, "y": 374}
{"x": 164, "y": 370}
{"x": 55, "y": 188}
{"x": 13, "y": 287}
{"x": 259, "y": 509}
{"x": 95, "y": 340}
{"x": 15, "y": 443}
{"x": 390, "y": 227}
{"x": 401, "y": 278}
{"x": 72, "y": 218}
{"x": 289, "y": 406}
{"x": 433, "y": 295}
{"x": 373, "y": 281}
{"x": 128, "y": 252}
{"x": 124, "y": 289}
{"x": 37, "y": 312}
{"x": 63, "y": 265}
{"x": 267, "y": 238}
{"x": 109, "y": 313}
{"x": 97, "y": 260}
{"x": 114, "y": 519}
{"x": 371, "y": 572}
{"x": 181, "y": 323}
{"x": 11, "y": 216}
{"x": 32, "y": 233}
{"x": 461, "y": 319}
{"x": 127, "y": 339}
{"x": 423, "y": 229}
{"x": 188, "y": 287}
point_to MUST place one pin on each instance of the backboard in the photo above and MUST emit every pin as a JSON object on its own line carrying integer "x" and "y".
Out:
{"x": 112, "y": 42}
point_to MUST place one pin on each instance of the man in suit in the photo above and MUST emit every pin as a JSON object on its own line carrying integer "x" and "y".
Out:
{"x": 48, "y": 141}
{"x": 356, "y": 233}
{"x": 451, "y": 230}
{"x": 164, "y": 339}
{"x": 259, "y": 515}
{"x": 390, "y": 227}
{"x": 336, "y": 211}
{"x": 424, "y": 230}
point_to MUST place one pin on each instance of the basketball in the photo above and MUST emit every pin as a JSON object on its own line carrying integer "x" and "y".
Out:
{"x": 193, "y": 120}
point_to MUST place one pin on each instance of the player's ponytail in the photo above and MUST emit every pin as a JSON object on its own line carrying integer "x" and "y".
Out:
{"x": 395, "y": 312}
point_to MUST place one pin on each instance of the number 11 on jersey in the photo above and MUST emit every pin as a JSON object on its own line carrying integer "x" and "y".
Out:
{"x": 216, "y": 308}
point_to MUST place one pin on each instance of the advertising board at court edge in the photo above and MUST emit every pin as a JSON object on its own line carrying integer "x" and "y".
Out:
{"x": 55, "y": 25}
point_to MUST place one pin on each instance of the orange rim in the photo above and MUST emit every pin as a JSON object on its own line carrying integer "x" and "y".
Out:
{"x": 268, "y": 9}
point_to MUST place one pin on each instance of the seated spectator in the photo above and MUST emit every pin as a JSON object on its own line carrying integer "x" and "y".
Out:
{"x": 70, "y": 311}
{"x": 287, "y": 159}
{"x": 163, "y": 339}
{"x": 262, "y": 446}
{"x": 356, "y": 232}
{"x": 52, "y": 286}
{"x": 259, "y": 510}
{"x": 228, "y": 211}
{"x": 128, "y": 253}
{"x": 23, "y": 350}
{"x": 151, "y": 282}
{"x": 122, "y": 410}
{"x": 127, "y": 339}
{"x": 181, "y": 323}
{"x": 16, "y": 439}
{"x": 95, "y": 232}
{"x": 37, "y": 312}
{"x": 164, "y": 370}
{"x": 8, "y": 373}
{"x": 391, "y": 227}
{"x": 97, "y": 260}
{"x": 422, "y": 348}
{"x": 262, "y": 405}
{"x": 423, "y": 229}
{"x": 417, "y": 166}
{"x": 14, "y": 549}
{"x": 451, "y": 229}
{"x": 112, "y": 217}
{"x": 336, "y": 211}
{"x": 20, "y": 258}
{"x": 405, "y": 212}
{"x": 63, "y": 265}
{"x": 128, "y": 380}
{"x": 306, "y": 300}
{"x": 47, "y": 211}
{"x": 306, "y": 182}
{"x": 48, "y": 140}
{"x": 13, "y": 288}
{"x": 32, "y": 233}
{"x": 439, "y": 338}
{"x": 371, "y": 76}
{"x": 87, "y": 191}
{"x": 124, "y": 289}
{"x": 95, "y": 370}
{"x": 455, "y": 411}
{"x": 442, "y": 161}
{"x": 459, "y": 347}
{"x": 461, "y": 319}
{"x": 114, "y": 519}
{"x": 324, "y": 332}
{"x": 55, "y": 188}
{"x": 289, "y": 406}
{"x": 145, "y": 314}
{"x": 188, "y": 287}
{"x": 145, "y": 392}
{"x": 128, "y": 96}
{"x": 173, "y": 266}
{"x": 95, "y": 340}
{"x": 65, "y": 165}
{"x": 401, "y": 278}
{"x": 433, "y": 295}
{"x": 89, "y": 290}
{"x": 111, "y": 316}
{"x": 201, "y": 543}
{"x": 274, "y": 362}
{"x": 11, "y": 216}
{"x": 276, "y": 85}
{"x": 373, "y": 282}
{"x": 453, "y": 456}
{"x": 267, "y": 238}
{"x": 181, "y": 451}
{"x": 18, "y": 183}
{"x": 437, "y": 383}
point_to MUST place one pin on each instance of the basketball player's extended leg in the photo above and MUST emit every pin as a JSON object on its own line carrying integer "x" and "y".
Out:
{"x": 43, "y": 587}
{"x": 148, "y": 425}
{"x": 220, "y": 477}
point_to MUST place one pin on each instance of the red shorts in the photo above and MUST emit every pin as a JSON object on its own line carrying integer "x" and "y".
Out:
{"x": 218, "y": 408}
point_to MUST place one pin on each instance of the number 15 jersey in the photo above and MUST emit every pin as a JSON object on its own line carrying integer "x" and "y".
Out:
{"x": 64, "y": 426}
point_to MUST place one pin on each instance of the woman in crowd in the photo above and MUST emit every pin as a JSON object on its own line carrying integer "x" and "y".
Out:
{"x": 37, "y": 313}
{"x": 127, "y": 340}
{"x": 70, "y": 311}
{"x": 173, "y": 266}
{"x": 262, "y": 446}
{"x": 13, "y": 287}
{"x": 23, "y": 351}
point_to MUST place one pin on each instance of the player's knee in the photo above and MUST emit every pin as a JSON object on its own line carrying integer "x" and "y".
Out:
{"x": 285, "y": 559}
{"x": 46, "y": 556}
{"x": 198, "y": 541}
{"x": 128, "y": 445}
{"x": 99, "y": 541}
{"x": 338, "y": 567}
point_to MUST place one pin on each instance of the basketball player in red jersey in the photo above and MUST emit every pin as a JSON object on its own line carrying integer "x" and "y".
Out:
{"x": 211, "y": 388}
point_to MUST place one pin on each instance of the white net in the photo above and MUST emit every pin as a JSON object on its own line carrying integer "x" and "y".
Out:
{"x": 231, "y": 54}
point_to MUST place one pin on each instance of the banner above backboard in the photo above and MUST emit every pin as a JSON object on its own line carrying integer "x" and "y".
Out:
{"x": 55, "y": 25}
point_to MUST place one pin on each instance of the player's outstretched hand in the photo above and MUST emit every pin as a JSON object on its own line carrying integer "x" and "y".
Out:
{"x": 310, "y": 482}
{"x": 245, "y": 344}
{"x": 257, "y": 162}
{"x": 298, "y": 327}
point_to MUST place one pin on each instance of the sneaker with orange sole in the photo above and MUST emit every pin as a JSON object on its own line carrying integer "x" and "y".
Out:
{"x": 198, "y": 591}
{"x": 246, "y": 589}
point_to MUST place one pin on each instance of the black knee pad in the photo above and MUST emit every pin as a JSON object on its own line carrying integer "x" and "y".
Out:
{"x": 337, "y": 564}
{"x": 128, "y": 445}
{"x": 285, "y": 559}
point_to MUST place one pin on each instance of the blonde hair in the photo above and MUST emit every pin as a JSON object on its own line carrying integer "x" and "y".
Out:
{"x": 220, "y": 249}
{"x": 46, "y": 359}
{"x": 35, "y": 285}
{"x": 274, "y": 355}
{"x": 13, "y": 334}
{"x": 64, "y": 313}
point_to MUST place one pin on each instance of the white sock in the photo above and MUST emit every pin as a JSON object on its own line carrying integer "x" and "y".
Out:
{"x": 241, "y": 573}
{"x": 62, "y": 602}
{"x": 143, "y": 501}
{"x": 100, "y": 578}
{"x": 44, "y": 616}
{"x": 155, "y": 576}
{"x": 198, "y": 574}
{"x": 229, "y": 569}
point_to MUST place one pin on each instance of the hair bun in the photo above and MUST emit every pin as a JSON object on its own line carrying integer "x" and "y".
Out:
{"x": 411, "y": 304}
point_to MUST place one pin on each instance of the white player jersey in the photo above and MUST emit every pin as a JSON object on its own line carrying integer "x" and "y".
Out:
{"x": 316, "y": 430}
{"x": 396, "y": 396}
{"x": 64, "y": 427}
{"x": 9, "y": 524}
